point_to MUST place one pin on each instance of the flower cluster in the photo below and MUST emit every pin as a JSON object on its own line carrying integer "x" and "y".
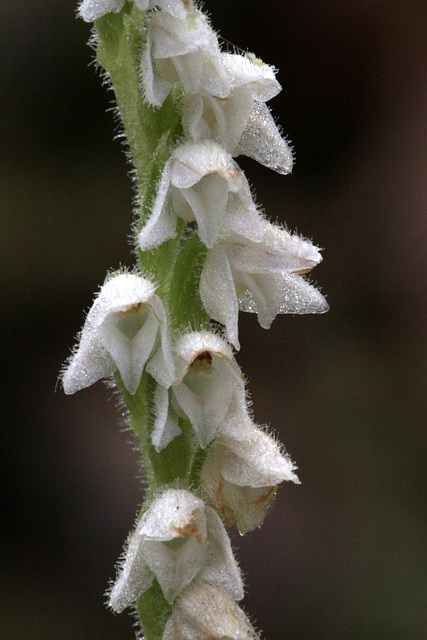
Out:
{"x": 191, "y": 377}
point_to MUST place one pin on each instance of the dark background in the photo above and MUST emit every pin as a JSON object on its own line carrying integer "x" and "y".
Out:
{"x": 343, "y": 555}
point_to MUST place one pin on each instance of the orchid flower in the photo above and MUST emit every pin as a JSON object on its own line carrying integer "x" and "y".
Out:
{"x": 125, "y": 331}
{"x": 176, "y": 539}
{"x": 241, "y": 122}
{"x": 240, "y": 478}
{"x": 202, "y": 183}
{"x": 260, "y": 277}
{"x": 208, "y": 390}
{"x": 183, "y": 51}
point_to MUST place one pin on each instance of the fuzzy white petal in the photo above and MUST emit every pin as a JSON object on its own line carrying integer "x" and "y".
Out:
{"x": 166, "y": 426}
{"x": 272, "y": 294}
{"x": 278, "y": 252}
{"x": 218, "y": 292}
{"x": 121, "y": 333}
{"x": 251, "y": 72}
{"x": 256, "y": 461}
{"x": 90, "y": 10}
{"x": 220, "y": 567}
{"x": 262, "y": 141}
{"x": 134, "y": 577}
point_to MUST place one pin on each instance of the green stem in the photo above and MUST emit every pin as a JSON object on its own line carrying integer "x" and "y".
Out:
{"x": 151, "y": 135}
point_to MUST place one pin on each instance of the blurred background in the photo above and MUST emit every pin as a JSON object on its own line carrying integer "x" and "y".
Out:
{"x": 343, "y": 555}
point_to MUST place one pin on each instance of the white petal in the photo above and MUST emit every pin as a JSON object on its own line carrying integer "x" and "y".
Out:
{"x": 220, "y": 567}
{"x": 174, "y": 514}
{"x": 255, "y": 462}
{"x": 161, "y": 225}
{"x": 207, "y": 409}
{"x": 166, "y": 426}
{"x": 237, "y": 423}
{"x": 192, "y": 161}
{"x": 222, "y": 119}
{"x": 278, "y": 252}
{"x": 271, "y": 294}
{"x": 242, "y": 216}
{"x": 175, "y": 37}
{"x": 262, "y": 141}
{"x": 262, "y": 295}
{"x": 120, "y": 293}
{"x": 90, "y": 10}
{"x": 156, "y": 89}
{"x": 204, "y": 611}
{"x": 208, "y": 201}
{"x": 208, "y": 186}
{"x": 92, "y": 359}
{"x": 252, "y": 72}
{"x": 185, "y": 51}
{"x": 134, "y": 577}
{"x": 89, "y": 363}
{"x": 174, "y": 569}
{"x": 161, "y": 365}
{"x": 129, "y": 355}
{"x": 218, "y": 292}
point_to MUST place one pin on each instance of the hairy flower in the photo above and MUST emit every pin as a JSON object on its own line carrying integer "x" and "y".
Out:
{"x": 260, "y": 277}
{"x": 206, "y": 612}
{"x": 177, "y": 539}
{"x": 241, "y": 122}
{"x": 183, "y": 51}
{"x": 240, "y": 477}
{"x": 202, "y": 183}
{"x": 208, "y": 389}
{"x": 126, "y": 331}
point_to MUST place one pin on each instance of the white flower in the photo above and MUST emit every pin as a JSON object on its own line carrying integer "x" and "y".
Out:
{"x": 184, "y": 51}
{"x": 201, "y": 182}
{"x": 90, "y": 10}
{"x": 125, "y": 330}
{"x": 259, "y": 277}
{"x": 205, "y": 612}
{"x": 240, "y": 478}
{"x": 209, "y": 390}
{"x": 177, "y": 539}
{"x": 241, "y": 122}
